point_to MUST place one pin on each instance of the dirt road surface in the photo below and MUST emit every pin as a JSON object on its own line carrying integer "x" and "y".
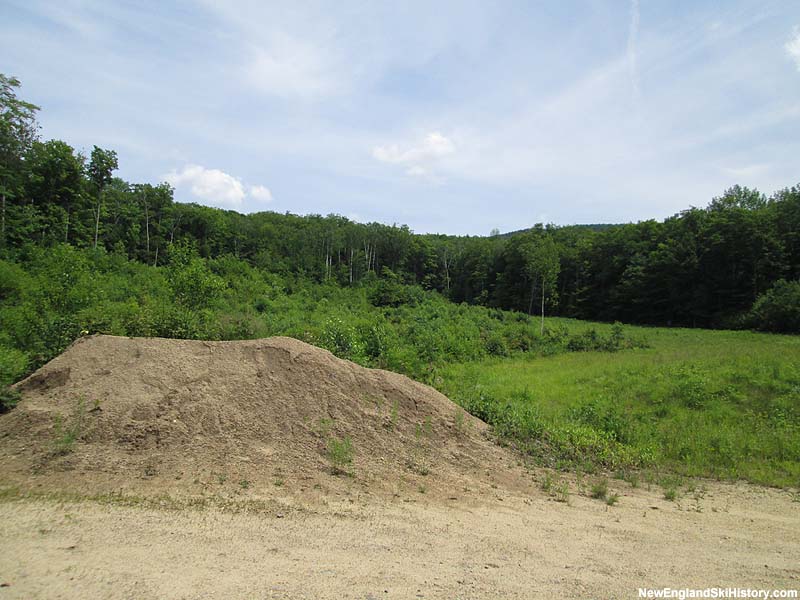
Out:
{"x": 500, "y": 546}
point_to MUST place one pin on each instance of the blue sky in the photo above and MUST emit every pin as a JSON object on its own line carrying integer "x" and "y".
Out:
{"x": 453, "y": 117}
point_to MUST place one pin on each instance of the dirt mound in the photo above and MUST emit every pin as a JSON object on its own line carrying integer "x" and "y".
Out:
{"x": 149, "y": 413}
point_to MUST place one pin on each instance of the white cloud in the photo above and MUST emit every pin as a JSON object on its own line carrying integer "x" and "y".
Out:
{"x": 216, "y": 188}
{"x": 212, "y": 185}
{"x": 260, "y": 192}
{"x": 419, "y": 159}
{"x": 793, "y": 47}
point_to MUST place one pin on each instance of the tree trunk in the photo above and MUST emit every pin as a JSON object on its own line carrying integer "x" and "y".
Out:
{"x": 351, "y": 265}
{"x": 533, "y": 293}
{"x": 97, "y": 221}
{"x": 446, "y": 270}
{"x": 147, "y": 228}
{"x": 3, "y": 226}
{"x": 542, "y": 305}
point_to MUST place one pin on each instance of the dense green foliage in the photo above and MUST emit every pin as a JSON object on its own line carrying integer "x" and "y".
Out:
{"x": 83, "y": 252}
{"x": 778, "y": 309}
{"x": 702, "y": 267}
{"x": 710, "y": 403}
{"x": 51, "y": 296}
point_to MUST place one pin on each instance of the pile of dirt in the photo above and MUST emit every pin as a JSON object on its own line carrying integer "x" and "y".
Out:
{"x": 158, "y": 413}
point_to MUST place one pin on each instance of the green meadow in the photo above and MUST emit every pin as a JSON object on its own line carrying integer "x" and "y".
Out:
{"x": 720, "y": 404}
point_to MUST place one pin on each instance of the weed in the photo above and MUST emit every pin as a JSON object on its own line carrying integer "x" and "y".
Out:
{"x": 600, "y": 489}
{"x": 418, "y": 462}
{"x": 278, "y": 482}
{"x": 376, "y": 400}
{"x": 612, "y": 499}
{"x": 391, "y": 422}
{"x": 459, "y": 422}
{"x": 340, "y": 453}
{"x": 555, "y": 488}
{"x": 151, "y": 468}
{"x": 324, "y": 426}
{"x": 244, "y": 484}
{"x": 562, "y": 492}
{"x": 671, "y": 494}
{"x": 424, "y": 429}
{"x": 68, "y": 431}
{"x": 422, "y": 489}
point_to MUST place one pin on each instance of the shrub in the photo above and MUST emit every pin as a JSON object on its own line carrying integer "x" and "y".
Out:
{"x": 341, "y": 339}
{"x": 388, "y": 291}
{"x": 195, "y": 286}
{"x": 778, "y": 309}
{"x": 13, "y": 365}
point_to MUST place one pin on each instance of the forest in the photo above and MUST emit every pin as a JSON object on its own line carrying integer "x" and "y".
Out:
{"x": 703, "y": 267}
{"x": 84, "y": 251}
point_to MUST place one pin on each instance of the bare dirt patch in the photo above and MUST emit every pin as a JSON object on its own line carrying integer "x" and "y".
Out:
{"x": 178, "y": 416}
{"x": 507, "y": 547}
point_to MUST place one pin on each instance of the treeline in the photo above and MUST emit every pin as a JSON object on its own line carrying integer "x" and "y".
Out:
{"x": 733, "y": 264}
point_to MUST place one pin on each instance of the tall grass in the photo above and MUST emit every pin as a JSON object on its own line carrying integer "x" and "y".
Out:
{"x": 701, "y": 403}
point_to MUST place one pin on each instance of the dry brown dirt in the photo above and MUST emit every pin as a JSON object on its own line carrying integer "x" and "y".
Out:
{"x": 200, "y": 470}
{"x": 158, "y": 415}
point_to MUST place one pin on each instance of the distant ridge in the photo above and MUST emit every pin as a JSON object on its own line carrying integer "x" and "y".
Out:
{"x": 591, "y": 226}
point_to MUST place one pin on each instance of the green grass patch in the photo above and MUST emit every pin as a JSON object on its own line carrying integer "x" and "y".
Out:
{"x": 718, "y": 404}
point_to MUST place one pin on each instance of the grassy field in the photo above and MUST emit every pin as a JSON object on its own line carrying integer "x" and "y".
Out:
{"x": 720, "y": 404}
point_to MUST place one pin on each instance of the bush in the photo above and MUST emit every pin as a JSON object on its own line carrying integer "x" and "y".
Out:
{"x": 342, "y": 340}
{"x": 388, "y": 291}
{"x": 778, "y": 309}
{"x": 13, "y": 365}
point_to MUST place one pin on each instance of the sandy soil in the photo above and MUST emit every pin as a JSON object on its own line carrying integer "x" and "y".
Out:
{"x": 504, "y": 546}
{"x": 155, "y": 415}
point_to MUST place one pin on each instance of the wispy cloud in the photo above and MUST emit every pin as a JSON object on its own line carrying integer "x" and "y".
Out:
{"x": 291, "y": 68}
{"x": 633, "y": 58}
{"x": 746, "y": 171}
{"x": 793, "y": 47}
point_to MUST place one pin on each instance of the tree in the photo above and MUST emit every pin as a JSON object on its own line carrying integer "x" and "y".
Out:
{"x": 53, "y": 181}
{"x": 542, "y": 264}
{"x": 102, "y": 164}
{"x": 739, "y": 197}
{"x": 18, "y": 131}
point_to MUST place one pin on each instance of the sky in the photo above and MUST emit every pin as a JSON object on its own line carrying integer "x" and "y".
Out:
{"x": 451, "y": 117}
